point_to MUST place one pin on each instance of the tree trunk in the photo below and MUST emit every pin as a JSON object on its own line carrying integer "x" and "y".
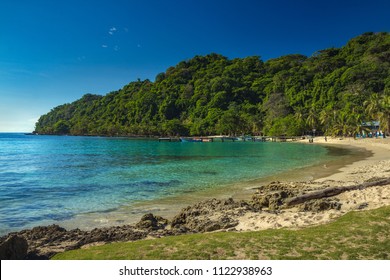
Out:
{"x": 332, "y": 191}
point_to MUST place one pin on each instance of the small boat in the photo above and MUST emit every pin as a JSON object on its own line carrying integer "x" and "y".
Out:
{"x": 244, "y": 138}
{"x": 190, "y": 139}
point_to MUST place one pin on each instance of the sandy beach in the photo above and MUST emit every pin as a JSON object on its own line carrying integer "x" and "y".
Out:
{"x": 372, "y": 168}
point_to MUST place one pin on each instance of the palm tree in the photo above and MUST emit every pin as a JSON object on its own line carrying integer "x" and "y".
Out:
{"x": 328, "y": 118}
{"x": 373, "y": 105}
{"x": 345, "y": 123}
{"x": 312, "y": 118}
{"x": 354, "y": 122}
{"x": 378, "y": 108}
{"x": 299, "y": 117}
{"x": 385, "y": 119}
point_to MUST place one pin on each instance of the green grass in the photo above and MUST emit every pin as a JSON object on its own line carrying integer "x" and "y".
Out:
{"x": 357, "y": 235}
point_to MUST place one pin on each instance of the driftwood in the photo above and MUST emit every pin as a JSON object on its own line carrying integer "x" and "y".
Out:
{"x": 332, "y": 191}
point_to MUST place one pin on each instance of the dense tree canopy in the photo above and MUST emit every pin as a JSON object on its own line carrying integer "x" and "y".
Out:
{"x": 333, "y": 91}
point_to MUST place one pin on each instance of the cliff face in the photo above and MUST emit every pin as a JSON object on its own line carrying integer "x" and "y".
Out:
{"x": 334, "y": 91}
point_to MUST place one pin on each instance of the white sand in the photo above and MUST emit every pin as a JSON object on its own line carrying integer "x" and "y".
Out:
{"x": 376, "y": 166}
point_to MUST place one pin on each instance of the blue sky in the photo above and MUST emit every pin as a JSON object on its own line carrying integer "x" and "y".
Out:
{"x": 53, "y": 52}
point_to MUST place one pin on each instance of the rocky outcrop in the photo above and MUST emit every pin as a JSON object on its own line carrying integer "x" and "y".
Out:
{"x": 151, "y": 222}
{"x": 273, "y": 196}
{"x": 211, "y": 215}
{"x": 45, "y": 241}
{"x": 273, "y": 200}
{"x": 112, "y": 234}
{"x": 13, "y": 248}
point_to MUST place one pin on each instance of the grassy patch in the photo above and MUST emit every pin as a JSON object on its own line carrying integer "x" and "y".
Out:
{"x": 357, "y": 235}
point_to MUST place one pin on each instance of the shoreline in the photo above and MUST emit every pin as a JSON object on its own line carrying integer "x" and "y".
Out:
{"x": 227, "y": 214}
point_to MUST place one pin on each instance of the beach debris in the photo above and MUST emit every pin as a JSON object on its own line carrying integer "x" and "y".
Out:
{"x": 362, "y": 206}
{"x": 333, "y": 191}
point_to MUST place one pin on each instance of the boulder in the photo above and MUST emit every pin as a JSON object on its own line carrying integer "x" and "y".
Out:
{"x": 151, "y": 222}
{"x": 14, "y": 248}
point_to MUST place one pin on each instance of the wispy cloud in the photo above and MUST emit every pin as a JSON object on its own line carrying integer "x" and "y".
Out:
{"x": 112, "y": 30}
{"x": 112, "y": 42}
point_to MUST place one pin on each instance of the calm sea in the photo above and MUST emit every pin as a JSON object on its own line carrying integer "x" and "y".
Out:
{"x": 53, "y": 179}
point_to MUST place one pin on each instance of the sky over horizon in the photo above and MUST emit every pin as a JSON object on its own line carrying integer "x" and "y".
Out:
{"x": 54, "y": 52}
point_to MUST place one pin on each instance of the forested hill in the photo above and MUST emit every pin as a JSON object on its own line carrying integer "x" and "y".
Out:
{"x": 334, "y": 91}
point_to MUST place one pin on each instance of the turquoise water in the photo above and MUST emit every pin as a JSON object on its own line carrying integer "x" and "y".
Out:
{"x": 50, "y": 179}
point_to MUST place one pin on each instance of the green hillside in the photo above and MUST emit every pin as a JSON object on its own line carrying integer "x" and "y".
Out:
{"x": 334, "y": 91}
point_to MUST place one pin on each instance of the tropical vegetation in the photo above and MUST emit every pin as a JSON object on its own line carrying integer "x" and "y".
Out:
{"x": 333, "y": 91}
